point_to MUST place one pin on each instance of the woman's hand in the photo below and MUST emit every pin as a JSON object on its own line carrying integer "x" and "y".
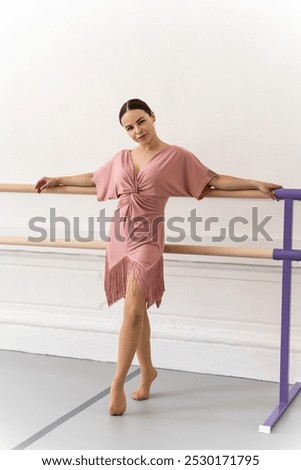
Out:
{"x": 268, "y": 188}
{"x": 45, "y": 183}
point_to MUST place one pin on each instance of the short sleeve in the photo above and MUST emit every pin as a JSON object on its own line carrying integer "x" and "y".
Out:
{"x": 105, "y": 181}
{"x": 189, "y": 176}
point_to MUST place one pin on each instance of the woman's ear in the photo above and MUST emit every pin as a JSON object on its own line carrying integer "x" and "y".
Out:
{"x": 153, "y": 116}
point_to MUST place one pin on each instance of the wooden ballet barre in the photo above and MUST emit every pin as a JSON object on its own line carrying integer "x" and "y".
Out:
{"x": 30, "y": 188}
{"x": 263, "y": 253}
{"x": 22, "y": 241}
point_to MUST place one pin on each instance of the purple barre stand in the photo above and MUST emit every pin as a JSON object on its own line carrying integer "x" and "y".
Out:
{"x": 287, "y": 255}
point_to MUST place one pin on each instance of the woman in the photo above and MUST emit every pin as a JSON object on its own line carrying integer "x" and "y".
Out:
{"x": 142, "y": 180}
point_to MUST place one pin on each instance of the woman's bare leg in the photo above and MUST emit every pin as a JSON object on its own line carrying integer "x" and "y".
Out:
{"x": 134, "y": 308}
{"x": 148, "y": 372}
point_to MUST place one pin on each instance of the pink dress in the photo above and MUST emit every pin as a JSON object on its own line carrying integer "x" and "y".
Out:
{"x": 136, "y": 234}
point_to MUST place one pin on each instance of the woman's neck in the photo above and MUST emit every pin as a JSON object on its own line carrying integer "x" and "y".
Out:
{"x": 151, "y": 146}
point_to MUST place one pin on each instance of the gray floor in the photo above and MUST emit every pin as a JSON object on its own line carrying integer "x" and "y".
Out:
{"x": 60, "y": 403}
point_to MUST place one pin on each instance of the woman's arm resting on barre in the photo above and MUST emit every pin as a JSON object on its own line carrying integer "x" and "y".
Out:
{"x": 79, "y": 180}
{"x": 231, "y": 183}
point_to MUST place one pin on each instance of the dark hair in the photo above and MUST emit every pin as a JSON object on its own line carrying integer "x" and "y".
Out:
{"x": 134, "y": 104}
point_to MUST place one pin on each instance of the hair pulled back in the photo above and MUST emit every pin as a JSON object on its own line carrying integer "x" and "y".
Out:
{"x": 134, "y": 103}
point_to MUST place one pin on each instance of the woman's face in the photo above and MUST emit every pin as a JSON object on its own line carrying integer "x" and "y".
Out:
{"x": 139, "y": 125}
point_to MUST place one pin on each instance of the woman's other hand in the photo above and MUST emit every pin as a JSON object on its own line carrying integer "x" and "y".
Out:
{"x": 269, "y": 188}
{"x": 45, "y": 183}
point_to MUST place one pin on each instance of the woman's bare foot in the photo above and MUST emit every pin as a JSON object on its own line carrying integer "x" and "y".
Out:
{"x": 145, "y": 384}
{"x": 117, "y": 401}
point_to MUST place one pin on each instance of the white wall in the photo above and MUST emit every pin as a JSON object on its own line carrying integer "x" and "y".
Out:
{"x": 222, "y": 76}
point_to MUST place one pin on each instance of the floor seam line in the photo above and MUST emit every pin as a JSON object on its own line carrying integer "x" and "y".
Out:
{"x": 55, "y": 424}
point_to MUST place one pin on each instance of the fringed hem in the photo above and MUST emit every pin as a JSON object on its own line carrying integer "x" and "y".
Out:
{"x": 151, "y": 281}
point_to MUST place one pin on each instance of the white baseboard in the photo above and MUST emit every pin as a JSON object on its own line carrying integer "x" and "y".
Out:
{"x": 215, "y": 318}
